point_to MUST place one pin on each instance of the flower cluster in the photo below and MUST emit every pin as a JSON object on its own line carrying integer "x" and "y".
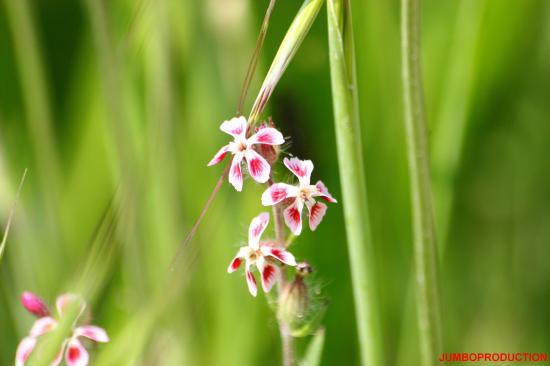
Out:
{"x": 75, "y": 353}
{"x": 259, "y": 150}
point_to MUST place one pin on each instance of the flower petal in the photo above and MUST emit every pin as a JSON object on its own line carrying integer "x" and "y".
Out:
{"x": 92, "y": 332}
{"x": 258, "y": 167}
{"x": 280, "y": 254}
{"x": 76, "y": 354}
{"x": 316, "y": 213}
{"x": 24, "y": 350}
{"x": 63, "y": 301}
{"x": 301, "y": 168}
{"x": 269, "y": 276}
{"x": 251, "y": 281}
{"x": 34, "y": 304}
{"x": 42, "y": 326}
{"x": 237, "y": 260}
{"x": 293, "y": 217}
{"x": 59, "y": 356}
{"x": 323, "y": 192}
{"x": 267, "y": 136}
{"x": 236, "y": 126}
{"x": 278, "y": 192}
{"x": 219, "y": 155}
{"x": 236, "y": 173}
{"x": 256, "y": 229}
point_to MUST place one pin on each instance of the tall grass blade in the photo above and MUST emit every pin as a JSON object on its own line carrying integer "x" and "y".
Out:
{"x": 425, "y": 247}
{"x": 314, "y": 350}
{"x": 352, "y": 177}
{"x": 452, "y": 121}
{"x": 293, "y": 39}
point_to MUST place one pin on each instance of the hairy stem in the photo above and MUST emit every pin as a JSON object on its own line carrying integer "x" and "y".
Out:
{"x": 286, "y": 337}
{"x": 425, "y": 250}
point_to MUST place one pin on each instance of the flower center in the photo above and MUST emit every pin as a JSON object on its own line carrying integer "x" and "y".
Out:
{"x": 306, "y": 192}
{"x": 253, "y": 255}
{"x": 241, "y": 146}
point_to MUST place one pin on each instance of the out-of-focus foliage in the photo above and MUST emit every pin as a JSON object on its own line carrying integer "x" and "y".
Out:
{"x": 114, "y": 108}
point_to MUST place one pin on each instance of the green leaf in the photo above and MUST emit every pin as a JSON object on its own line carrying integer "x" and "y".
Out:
{"x": 352, "y": 178}
{"x": 293, "y": 39}
{"x": 314, "y": 350}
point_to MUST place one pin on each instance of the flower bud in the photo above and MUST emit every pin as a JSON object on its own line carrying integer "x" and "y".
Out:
{"x": 34, "y": 304}
{"x": 294, "y": 302}
{"x": 269, "y": 152}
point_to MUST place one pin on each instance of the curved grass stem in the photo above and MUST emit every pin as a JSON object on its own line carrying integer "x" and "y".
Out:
{"x": 425, "y": 248}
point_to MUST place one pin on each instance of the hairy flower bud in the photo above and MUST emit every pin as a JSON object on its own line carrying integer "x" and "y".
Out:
{"x": 294, "y": 302}
{"x": 34, "y": 304}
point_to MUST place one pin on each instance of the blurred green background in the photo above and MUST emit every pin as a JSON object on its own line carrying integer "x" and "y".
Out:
{"x": 114, "y": 107}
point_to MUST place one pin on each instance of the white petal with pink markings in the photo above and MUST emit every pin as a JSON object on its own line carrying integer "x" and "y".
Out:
{"x": 258, "y": 167}
{"x": 251, "y": 281}
{"x": 92, "y": 332}
{"x": 42, "y": 326}
{"x": 278, "y": 192}
{"x": 269, "y": 276}
{"x": 64, "y": 301}
{"x": 24, "y": 350}
{"x": 293, "y": 217}
{"x": 323, "y": 192}
{"x": 76, "y": 354}
{"x": 235, "y": 126}
{"x": 316, "y": 213}
{"x": 267, "y": 136}
{"x": 301, "y": 168}
{"x": 280, "y": 254}
{"x": 256, "y": 229}
{"x": 220, "y": 155}
{"x": 236, "y": 173}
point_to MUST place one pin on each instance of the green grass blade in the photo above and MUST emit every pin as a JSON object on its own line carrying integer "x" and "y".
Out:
{"x": 314, "y": 350}
{"x": 352, "y": 177}
{"x": 293, "y": 39}
{"x": 425, "y": 247}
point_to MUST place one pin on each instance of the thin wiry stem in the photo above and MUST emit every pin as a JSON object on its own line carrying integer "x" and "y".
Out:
{"x": 249, "y": 74}
{"x": 10, "y": 217}
{"x": 425, "y": 249}
{"x": 197, "y": 223}
{"x": 255, "y": 57}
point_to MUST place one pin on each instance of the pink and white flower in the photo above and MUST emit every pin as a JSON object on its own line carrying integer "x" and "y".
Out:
{"x": 298, "y": 196}
{"x": 75, "y": 353}
{"x": 242, "y": 148}
{"x": 261, "y": 254}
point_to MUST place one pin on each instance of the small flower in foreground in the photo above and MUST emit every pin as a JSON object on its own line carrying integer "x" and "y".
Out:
{"x": 260, "y": 254}
{"x": 304, "y": 193}
{"x": 242, "y": 149}
{"x": 75, "y": 353}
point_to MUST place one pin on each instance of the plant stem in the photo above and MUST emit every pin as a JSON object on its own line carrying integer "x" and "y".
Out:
{"x": 286, "y": 337}
{"x": 11, "y": 214}
{"x": 425, "y": 249}
{"x": 287, "y": 344}
{"x": 255, "y": 56}
{"x": 197, "y": 223}
{"x": 352, "y": 178}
